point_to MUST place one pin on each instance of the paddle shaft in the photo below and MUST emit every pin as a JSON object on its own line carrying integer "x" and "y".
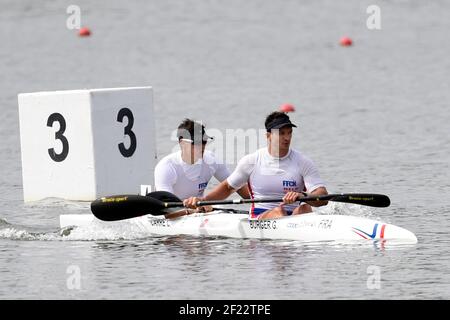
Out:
{"x": 213, "y": 202}
{"x": 369, "y": 199}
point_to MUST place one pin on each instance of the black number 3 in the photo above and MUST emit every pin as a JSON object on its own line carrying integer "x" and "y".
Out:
{"x": 58, "y": 157}
{"x": 125, "y": 112}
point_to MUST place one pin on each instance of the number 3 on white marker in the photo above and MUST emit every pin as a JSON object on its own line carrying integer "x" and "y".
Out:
{"x": 59, "y": 135}
{"x": 125, "y": 112}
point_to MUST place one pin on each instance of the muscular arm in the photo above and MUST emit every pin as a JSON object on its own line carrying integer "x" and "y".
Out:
{"x": 321, "y": 191}
{"x": 222, "y": 191}
{"x": 222, "y": 174}
{"x": 313, "y": 182}
{"x": 238, "y": 179}
{"x": 244, "y": 192}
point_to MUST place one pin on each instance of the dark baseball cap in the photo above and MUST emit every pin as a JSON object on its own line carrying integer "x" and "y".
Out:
{"x": 279, "y": 121}
{"x": 192, "y": 131}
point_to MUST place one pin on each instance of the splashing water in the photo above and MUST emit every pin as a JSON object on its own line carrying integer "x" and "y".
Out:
{"x": 93, "y": 232}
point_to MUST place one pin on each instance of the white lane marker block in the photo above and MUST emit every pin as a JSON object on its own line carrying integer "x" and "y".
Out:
{"x": 84, "y": 144}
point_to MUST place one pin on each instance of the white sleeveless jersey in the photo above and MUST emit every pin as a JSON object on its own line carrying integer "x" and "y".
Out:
{"x": 185, "y": 180}
{"x": 269, "y": 177}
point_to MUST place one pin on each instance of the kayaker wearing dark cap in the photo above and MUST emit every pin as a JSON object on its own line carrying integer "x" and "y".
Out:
{"x": 186, "y": 173}
{"x": 274, "y": 171}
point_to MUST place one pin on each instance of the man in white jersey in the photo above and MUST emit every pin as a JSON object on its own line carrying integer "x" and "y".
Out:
{"x": 275, "y": 171}
{"x": 186, "y": 173}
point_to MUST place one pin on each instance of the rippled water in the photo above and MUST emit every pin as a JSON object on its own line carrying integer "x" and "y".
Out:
{"x": 374, "y": 117}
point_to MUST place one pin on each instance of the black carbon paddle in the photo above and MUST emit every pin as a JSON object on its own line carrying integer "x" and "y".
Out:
{"x": 120, "y": 207}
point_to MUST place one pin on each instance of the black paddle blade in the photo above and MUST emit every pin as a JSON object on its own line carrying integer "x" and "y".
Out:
{"x": 169, "y": 198}
{"x": 365, "y": 199}
{"x": 122, "y": 207}
{"x": 164, "y": 196}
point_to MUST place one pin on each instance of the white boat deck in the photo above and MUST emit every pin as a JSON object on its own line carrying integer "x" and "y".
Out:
{"x": 306, "y": 227}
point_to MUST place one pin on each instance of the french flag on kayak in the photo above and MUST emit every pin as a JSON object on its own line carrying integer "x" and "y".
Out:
{"x": 366, "y": 235}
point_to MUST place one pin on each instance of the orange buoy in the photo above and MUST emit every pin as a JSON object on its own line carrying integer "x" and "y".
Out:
{"x": 346, "y": 41}
{"x": 84, "y": 32}
{"x": 287, "y": 108}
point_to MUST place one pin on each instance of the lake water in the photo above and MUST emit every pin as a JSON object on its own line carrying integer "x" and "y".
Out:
{"x": 374, "y": 117}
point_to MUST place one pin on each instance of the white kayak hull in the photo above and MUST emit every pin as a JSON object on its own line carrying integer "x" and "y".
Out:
{"x": 305, "y": 227}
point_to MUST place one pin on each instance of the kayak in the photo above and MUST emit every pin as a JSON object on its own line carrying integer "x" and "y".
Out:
{"x": 304, "y": 227}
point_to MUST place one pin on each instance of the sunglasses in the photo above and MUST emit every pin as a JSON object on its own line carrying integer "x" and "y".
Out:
{"x": 192, "y": 141}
